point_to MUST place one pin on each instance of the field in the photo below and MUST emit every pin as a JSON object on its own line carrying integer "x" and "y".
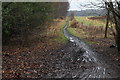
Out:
{"x": 91, "y": 31}
{"x": 91, "y": 21}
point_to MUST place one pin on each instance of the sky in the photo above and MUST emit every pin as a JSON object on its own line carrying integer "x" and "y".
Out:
{"x": 75, "y": 4}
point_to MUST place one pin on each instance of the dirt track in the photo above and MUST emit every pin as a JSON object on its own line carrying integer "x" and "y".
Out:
{"x": 73, "y": 60}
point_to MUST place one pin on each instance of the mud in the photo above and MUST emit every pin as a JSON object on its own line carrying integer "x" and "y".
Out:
{"x": 79, "y": 61}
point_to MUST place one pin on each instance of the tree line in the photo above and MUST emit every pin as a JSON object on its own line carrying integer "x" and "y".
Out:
{"x": 19, "y": 18}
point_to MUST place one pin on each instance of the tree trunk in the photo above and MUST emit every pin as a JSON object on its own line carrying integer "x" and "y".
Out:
{"x": 117, "y": 24}
{"x": 107, "y": 23}
{"x": 118, "y": 35}
{"x": 118, "y": 42}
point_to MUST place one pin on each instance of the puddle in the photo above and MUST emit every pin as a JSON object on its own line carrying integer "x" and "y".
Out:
{"x": 88, "y": 58}
{"x": 79, "y": 61}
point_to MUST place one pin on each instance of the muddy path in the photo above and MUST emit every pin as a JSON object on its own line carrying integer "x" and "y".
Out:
{"x": 79, "y": 61}
{"x": 73, "y": 59}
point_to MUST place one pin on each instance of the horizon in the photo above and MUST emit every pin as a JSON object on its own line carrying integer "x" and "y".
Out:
{"x": 75, "y": 5}
{"x": 86, "y": 9}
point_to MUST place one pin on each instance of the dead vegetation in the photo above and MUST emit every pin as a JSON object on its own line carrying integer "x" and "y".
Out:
{"x": 74, "y": 24}
{"x": 94, "y": 36}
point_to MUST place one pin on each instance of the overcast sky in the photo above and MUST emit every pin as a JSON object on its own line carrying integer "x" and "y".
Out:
{"x": 75, "y": 4}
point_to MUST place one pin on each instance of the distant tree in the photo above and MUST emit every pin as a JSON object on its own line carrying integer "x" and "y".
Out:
{"x": 72, "y": 16}
{"x": 61, "y": 9}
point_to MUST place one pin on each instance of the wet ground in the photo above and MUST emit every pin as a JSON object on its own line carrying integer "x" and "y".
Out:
{"x": 79, "y": 61}
{"x": 75, "y": 59}
{"x": 73, "y": 62}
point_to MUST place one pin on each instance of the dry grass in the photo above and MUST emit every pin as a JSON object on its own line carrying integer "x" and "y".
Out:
{"x": 91, "y": 34}
{"x": 51, "y": 35}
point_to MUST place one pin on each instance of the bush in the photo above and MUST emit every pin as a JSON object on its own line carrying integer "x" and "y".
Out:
{"x": 20, "y": 18}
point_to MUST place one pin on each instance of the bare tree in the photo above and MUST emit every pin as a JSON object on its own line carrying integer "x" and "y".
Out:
{"x": 114, "y": 9}
{"x": 113, "y": 15}
{"x": 107, "y": 19}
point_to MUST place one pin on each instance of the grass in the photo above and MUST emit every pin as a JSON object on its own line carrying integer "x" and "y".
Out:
{"x": 74, "y": 31}
{"x": 87, "y": 22}
{"x": 55, "y": 31}
{"x": 81, "y": 34}
{"x": 92, "y": 31}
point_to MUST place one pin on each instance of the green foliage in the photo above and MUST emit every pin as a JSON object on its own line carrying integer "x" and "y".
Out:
{"x": 21, "y": 18}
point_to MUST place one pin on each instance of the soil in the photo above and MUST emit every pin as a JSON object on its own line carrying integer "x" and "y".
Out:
{"x": 29, "y": 62}
{"x": 49, "y": 62}
{"x": 110, "y": 55}
{"x": 102, "y": 45}
{"x": 41, "y": 61}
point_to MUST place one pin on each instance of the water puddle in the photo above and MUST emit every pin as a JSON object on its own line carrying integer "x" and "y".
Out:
{"x": 88, "y": 60}
{"x": 78, "y": 61}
